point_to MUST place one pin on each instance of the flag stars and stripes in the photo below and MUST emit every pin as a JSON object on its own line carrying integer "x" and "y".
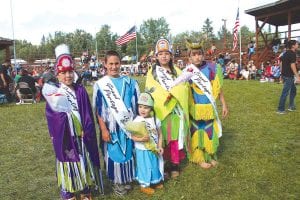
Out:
{"x": 235, "y": 31}
{"x": 127, "y": 37}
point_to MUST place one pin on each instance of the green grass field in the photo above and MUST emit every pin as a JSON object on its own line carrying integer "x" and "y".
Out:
{"x": 258, "y": 155}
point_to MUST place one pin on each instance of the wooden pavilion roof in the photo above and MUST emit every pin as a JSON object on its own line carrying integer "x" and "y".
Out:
{"x": 4, "y": 42}
{"x": 277, "y": 12}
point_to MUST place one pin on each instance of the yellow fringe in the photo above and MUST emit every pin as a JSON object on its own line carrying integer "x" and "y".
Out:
{"x": 215, "y": 127}
{"x": 202, "y": 112}
{"x": 195, "y": 141}
{"x": 208, "y": 145}
{"x": 197, "y": 156}
{"x": 216, "y": 87}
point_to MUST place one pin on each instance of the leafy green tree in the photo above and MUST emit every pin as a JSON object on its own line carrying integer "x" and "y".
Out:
{"x": 80, "y": 41}
{"x": 208, "y": 30}
{"x": 105, "y": 40}
{"x": 222, "y": 37}
{"x": 42, "y": 48}
{"x": 59, "y": 38}
{"x": 149, "y": 32}
{"x": 152, "y": 29}
{"x": 49, "y": 47}
{"x": 25, "y": 50}
{"x": 180, "y": 39}
{"x": 247, "y": 35}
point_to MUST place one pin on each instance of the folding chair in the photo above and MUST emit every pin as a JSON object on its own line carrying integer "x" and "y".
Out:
{"x": 25, "y": 93}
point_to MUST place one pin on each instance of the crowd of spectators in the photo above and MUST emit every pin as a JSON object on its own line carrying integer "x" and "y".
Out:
{"x": 89, "y": 69}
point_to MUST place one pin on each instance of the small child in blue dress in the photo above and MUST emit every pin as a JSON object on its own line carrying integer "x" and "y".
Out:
{"x": 149, "y": 161}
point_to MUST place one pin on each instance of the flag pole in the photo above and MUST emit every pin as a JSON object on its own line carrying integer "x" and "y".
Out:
{"x": 96, "y": 45}
{"x": 240, "y": 48}
{"x": 13, "y": 34}
{"x": 137, "y": 53}
{"x": 240, "y": 37}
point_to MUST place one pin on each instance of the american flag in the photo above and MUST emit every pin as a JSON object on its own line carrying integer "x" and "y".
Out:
{"x": 130, "y": 35}
{"x": 236, "y": 30}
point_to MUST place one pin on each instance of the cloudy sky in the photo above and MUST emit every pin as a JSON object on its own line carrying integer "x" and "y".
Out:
{"x": 34, "y": 18}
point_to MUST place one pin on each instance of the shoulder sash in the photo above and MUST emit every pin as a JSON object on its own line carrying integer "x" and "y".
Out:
{"x": 204, "y": 84}
{"x": 115, "y": 102}
{"x": 164, "y": 78}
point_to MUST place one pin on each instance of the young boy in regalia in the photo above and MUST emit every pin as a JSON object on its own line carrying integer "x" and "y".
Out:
{"x": 206, "y": 85}
{"x": 115, "y": 102}
{"x": 72, "y": 131}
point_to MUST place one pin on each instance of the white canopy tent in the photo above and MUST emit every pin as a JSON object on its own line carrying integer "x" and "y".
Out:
{"x": 18, "y": 61}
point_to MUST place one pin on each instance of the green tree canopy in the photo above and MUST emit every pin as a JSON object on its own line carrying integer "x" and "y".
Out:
{"x": 208, "y": 30}
{"x": 147, "y": 35}
{"x": 105, "y": 39}
{"x": 152, "y": 29}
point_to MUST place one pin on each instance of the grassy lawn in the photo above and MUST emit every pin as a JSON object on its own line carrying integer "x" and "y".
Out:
{"x": 258, "y": 155}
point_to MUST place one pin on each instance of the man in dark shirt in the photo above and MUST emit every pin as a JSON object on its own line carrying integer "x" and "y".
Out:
{"x": 289, "y": 74}
{"x": 5, "y": 80}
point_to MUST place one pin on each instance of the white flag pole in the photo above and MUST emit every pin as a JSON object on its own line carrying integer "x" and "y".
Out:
{"x": 13, "y": 35}
{"x": 240, "y": 38}
{"x": 136, "y": 49}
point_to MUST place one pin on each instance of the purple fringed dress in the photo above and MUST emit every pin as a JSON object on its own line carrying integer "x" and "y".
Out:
{"x": 72, "y": 131}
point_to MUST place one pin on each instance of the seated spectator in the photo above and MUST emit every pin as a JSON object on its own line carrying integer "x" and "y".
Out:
{"x": 276, "y": 71}
{"x": 212, "y": 49}
{"x": 232, "y": 70}
{"x": 26, "y": 78}
{"x": 268, "y": 71}
{"x": 244, "y": 73}
{"x": 261, "y": 72}
{"x": 252, "y": 69}
{"x": 18, "y": 76}
{"x": 94, "y": 74}
{"x": 227, "y": 58}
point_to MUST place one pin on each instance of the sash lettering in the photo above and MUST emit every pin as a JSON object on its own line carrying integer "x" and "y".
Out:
{"x": 204, "y": 84}
{"x": 114, "y": 102}
{"x": 70, "y": 98}
{"x": 110, "y": 95}
{"x": 164, "y": 78}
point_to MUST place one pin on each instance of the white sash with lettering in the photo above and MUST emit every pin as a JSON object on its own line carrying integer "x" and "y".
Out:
{"x": 62, "y": 99}
{"x": 115, "y": 103}
{"x": 154, "y": 138}
{"x": 204, "y": 84}
{"x": 166, "y": 81}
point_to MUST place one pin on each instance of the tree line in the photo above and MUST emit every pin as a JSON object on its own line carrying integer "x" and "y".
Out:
{"x": 147, "y": 34}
